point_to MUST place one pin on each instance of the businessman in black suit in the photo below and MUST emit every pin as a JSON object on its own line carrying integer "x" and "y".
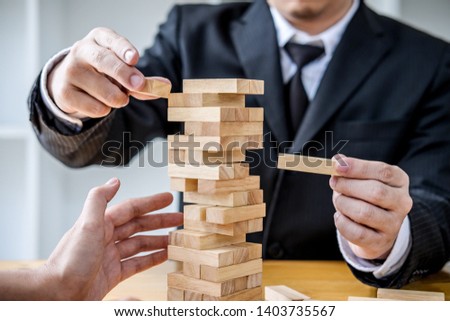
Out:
{"x": 377, "y": 92}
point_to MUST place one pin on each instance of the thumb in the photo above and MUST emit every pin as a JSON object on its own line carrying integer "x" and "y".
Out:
{"x": 97, "y": 201}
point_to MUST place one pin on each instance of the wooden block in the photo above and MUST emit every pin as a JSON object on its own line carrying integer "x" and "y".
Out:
{"x": 228, "y": 186}
{"x": 206, "y": 100}
{"x": 220, "y": 274}
{"x": 183, "y": 184}
{"x": 254, "y": 294}
{"x": 192, "y": 296}
{"x": 409, "y": 295}
{"x": 223, "y": 129}
{"x": 192, "y": 270}
{"x": 254, "y": 280}
{"x": 227, "y": 215}
{"x": 215, "y": 114}
{"x": 201, "y": 157}
{"x": 217, "y": 257}
{"x": 232, "y": 199}
{"x": 360, "y": 298}
{"x": 306, "y": 164}
{"x": 195, "y": 212}
{"x": 202, "y": 240}
{"x": 283, "y": 293}
{"x": 220, "y": 172}
{"x": 154, "y": 88}
{"x": 255, "y": 225}
{"x": 179, "y": 281}
{"x": 227, "y": 229}
{"x": 244, "y": 252}
{"x": 223, "y": 86}
{"x": 222, "y": 256}
{"x": 175, "y": 294}
{"x": 239, "y": 283}
{"x": 215, "y": 143}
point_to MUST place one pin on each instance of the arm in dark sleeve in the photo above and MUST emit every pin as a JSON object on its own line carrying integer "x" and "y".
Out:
{"x": 116, "y": 138}
{"x": 427, "y": 163}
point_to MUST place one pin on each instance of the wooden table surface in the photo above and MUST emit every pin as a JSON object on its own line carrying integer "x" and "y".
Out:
{"x": 321, "y": 280}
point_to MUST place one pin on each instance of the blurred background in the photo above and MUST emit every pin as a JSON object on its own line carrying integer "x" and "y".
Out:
{"x": 39, "y": 197}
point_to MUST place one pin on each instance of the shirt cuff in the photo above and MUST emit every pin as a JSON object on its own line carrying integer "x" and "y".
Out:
{"x": 393, "y": 262}
{"x": 73, "y": 121}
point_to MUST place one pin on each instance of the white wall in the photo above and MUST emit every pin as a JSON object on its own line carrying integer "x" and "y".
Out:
{"x": 39, "y": 197}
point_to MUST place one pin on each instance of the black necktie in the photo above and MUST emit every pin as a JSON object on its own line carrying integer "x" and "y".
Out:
{"x": 297, "y": 98}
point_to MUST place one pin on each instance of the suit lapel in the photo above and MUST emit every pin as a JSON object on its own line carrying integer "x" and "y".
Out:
{"x": 362, "y": 47}
{"x": 256, "y": 44}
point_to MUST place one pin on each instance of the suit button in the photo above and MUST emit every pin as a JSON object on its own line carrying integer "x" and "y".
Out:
{"x": 275, "y": 250}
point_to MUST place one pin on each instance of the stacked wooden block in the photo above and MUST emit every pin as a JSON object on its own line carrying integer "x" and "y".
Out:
{"x": 225, "y": 201}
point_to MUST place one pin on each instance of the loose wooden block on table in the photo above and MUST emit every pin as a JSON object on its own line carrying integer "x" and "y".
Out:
{"x": 179, "y": 281}
{"x": 283, "y": 293}
{"x": 217, "y": 257}
{"x": 202, "y": 240}
{"x": 227, "y": 215}
{"x": 232, "y": 199}
{"x": 224, "y": 85}
{"x": 222, "y": 129}
{"x": 215, "y": 143}
{"x": 245, "y": 227}
{"x": 155, "y": 88}
{"x": 202, "y": 157}
{"x": 306, "y": 164}
{"x": 410, "y": 295}
{"x": 228, "y": 186}
{"x": 253, "y": 294}
{"x": 224, "y": 171}
{"x": 183, "y": 184}
{"x": 361, "y": 298}
{"x": 206, "y": 100}
{"x": 215, "y": 114}
{"x": 220, "y": 274}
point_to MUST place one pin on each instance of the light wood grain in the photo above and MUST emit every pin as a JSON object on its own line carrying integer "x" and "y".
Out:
{"x": 223, "y": 86}
{"x": 206, "y": 100}
{"x": 234, "y": 199}
{"x": 213, "y": 172}
{"x": 409, "y": 295}
{"x": 307, "y": 164}
{"x": 155, "y": 88}
{"x": 201, "y": 157}
{"x": 223, "y": 129}
{"x": 215, "y": 114}
{"x": 215, "y": 143}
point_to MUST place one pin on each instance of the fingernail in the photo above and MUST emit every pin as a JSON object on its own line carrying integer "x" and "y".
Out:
{"x": 342, "y": 165}
{"x": 336, "y": 215}
{"x": 333, "y": 181}
{"x": 129, "y": 54}
{"x": 136, "y": 81}
{"x": 113, "y": 181}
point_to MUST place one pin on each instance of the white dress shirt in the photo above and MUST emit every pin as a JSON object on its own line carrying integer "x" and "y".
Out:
{"x": 311, "y": 76}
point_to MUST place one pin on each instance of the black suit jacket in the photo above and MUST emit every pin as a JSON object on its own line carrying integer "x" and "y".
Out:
{"x": 386, "y": 92}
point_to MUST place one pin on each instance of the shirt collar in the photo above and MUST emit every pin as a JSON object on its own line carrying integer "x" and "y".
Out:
{"x": 329, "y": 38}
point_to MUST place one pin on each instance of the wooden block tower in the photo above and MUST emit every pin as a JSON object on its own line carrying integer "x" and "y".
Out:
{"x": 225, "y": 202}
